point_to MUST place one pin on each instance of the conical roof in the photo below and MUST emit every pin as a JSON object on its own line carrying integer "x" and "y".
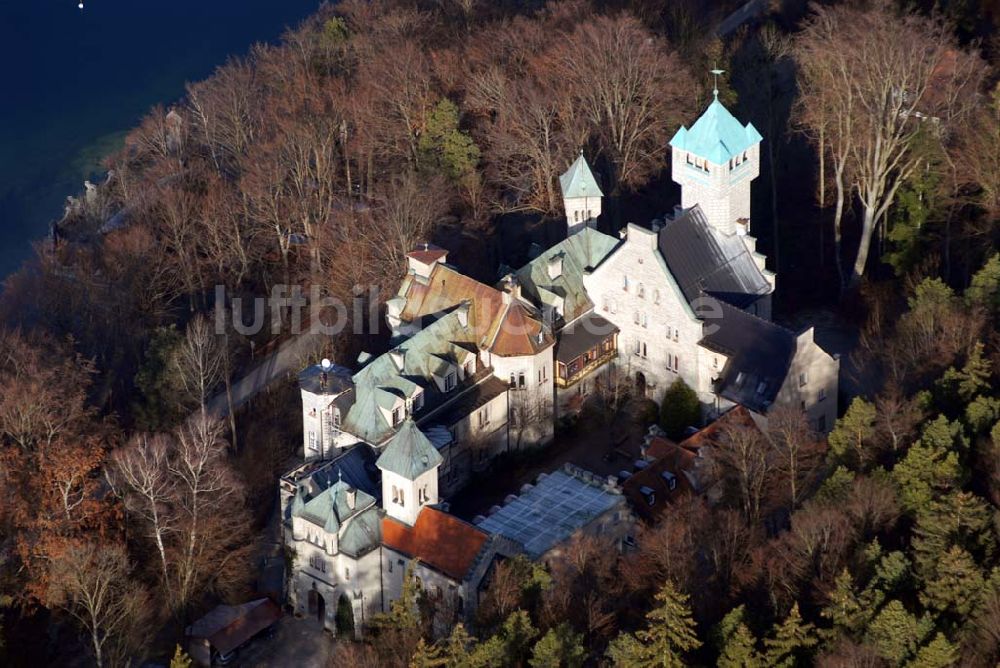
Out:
{"x": 716, "y": 136}
{"x": 579, "y": 181}
{"x": 409, "y": 453}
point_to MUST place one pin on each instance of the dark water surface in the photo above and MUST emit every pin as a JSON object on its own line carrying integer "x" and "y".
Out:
{"x": 72, "y": 82}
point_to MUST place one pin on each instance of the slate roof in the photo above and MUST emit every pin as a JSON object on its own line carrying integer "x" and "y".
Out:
{"x": 579, "y": 181}
{"x": 557, "y": 506}
{"x": 356, "y": 467}
{"x": 583, "y": 250}
{"x": 716, "y": 136}
{"x": 437, "y": 539}
{"x": 760, "y": 354}
{"x": 703, "y": 260}
{"x": 582, "y": 335}
{"x": 409, "y": 453}
{"x": 475, "y": 397}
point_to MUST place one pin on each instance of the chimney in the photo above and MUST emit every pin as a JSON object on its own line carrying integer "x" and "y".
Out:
{"x": 743, "y": 227}
{"x": 511, "y": 289}
{"x": 555, "y": 266}
{"x": 463, "y": 313}
{"x": 351, "y": 495}
{"x": 397, "y": 355}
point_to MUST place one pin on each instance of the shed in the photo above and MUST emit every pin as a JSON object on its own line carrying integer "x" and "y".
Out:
{"x": 227, "y": 627}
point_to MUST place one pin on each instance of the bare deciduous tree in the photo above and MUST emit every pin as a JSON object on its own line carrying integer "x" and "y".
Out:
{"x": 93, "y": 584}
{"x": 199, "y": 361}
{"x": 873, "y": 82}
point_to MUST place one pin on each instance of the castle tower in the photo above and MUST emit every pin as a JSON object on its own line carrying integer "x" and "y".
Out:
{"x": 409, "y": 466}
{"x": 714, "y": 163}
{"x": 581, "y": 196}
{"x": 327, "y": 395}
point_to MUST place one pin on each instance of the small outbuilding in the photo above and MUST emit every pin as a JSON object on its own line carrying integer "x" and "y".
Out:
{"x": 228, "y": 627}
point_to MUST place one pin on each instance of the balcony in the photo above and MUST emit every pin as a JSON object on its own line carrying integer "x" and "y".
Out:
{"x": 582, "y": 369}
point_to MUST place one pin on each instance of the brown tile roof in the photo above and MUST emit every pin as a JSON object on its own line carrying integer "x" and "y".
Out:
{"x": 428, "y": 253}
{"x": 659, "y": 446}
{"x": 440, "y": 540}
{"x": 738, "y": 416}
{"x": 674, "y": 459}
{"x": 518, "y": 333}
{"x": 448, "y": 288}
{"x": 227, "y": 627}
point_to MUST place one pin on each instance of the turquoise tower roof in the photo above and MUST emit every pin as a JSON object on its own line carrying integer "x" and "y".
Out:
{"x": 716, "y": 136}
{"x": 579, "y": 181}
{"x": 409, "y": 453}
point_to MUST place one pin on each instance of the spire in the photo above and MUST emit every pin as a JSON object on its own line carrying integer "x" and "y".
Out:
{"x": 579, "y": 181}
{"x": 715, "y": 88}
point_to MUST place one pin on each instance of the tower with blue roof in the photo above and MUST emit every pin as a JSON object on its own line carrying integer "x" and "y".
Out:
{"x": 714, "y": 162}
{"x": 581, "y": 196}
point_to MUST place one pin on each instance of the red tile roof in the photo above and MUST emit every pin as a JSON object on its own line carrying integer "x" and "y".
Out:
{"x": 428, "y": 253}
{"x": 674, "y": 459}
{"x": 440, "y": 540}
{"x": 659, "y": 446}
{"x": 736, "y": 417}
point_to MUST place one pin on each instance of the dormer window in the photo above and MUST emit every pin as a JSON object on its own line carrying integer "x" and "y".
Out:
{"x": 449, "y": 382}
{"x": 803, "y": 379}
{"x": 418, "y": 401}
{"x": 397, "y": 416}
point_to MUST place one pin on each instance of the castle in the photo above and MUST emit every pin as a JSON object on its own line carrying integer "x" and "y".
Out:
{"x": 478, "y": 370}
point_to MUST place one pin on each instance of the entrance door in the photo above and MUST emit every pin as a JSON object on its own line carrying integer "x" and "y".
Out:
{"x": 317, "y": 606}
{"x": 640, "y": 383}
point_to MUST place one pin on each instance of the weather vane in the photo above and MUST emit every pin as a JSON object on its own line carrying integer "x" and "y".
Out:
{"x": 715, "y": 88}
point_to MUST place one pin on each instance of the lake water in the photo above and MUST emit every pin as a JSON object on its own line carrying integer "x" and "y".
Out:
{"x": 73, "y": 81}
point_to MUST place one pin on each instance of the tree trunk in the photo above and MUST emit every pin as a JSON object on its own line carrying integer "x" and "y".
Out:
{"x": 838, "y": 217}
{"x": 864, "y": 245}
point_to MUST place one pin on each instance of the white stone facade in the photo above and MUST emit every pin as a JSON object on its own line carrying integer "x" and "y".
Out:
{"x": 659, "y": 332}
{"x": 723, "y": 191}
{"x": 581, "y": 212}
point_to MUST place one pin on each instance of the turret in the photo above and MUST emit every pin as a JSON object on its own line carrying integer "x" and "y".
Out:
{"x": 714, "y": 163}
{"x": 581, "y": 196}
{"x": 409, "y": 466}
{"x": 327, "y": 395}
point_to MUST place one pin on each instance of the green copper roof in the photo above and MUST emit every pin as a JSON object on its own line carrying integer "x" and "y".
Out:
{"x": 585, "y": 249}
{"x": 362, "y": 533}
{"x": 425, "y": 357}
{"x": 716, "y": 136}
{"x": 409, "y": 453}
{"x": 331, "y": 508}
{"x": 579, "y": 181}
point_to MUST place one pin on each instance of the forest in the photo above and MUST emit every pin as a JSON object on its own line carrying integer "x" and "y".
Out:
{"x": 127, "y": 511}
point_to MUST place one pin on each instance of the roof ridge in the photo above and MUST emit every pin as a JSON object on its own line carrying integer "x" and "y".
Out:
{"x": 756, "y": 317}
